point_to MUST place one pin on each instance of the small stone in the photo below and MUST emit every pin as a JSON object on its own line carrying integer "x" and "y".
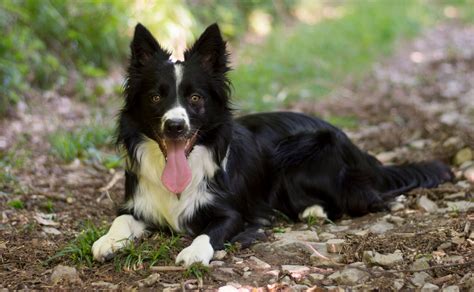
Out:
{"x": 385, "y": 157}
{"x": 427, "y": 205}
{"x": 361, "y": 232}
{"x": 463, "y": 155}
{"x": 51, "y": 230}
{"x": 452, "y": 288}
{"x": 349, "y": 276}
{"x": 229, "y": 271}
{"x": 455, "y": 259}
{"x": 468, "y": 281}
{"x": 381, "y": 227}
{"x": 286, "y": 280}
{"x": 258, "y": 263}
{"x": 237, "y": 260}
{"x": 296, "y": 271}
{"x": 396, "y": 206}
{"x": 334, "y": 245}
{"x": 419, "y": 144}
{"x": 300, "y": 235}
{"x": 104, "y": 285}
{"x": 325, "y": 236}
{"x": 458, "y": 195}
{"x": 469, "y": 174}
{"x": 385, "y": 260}
{"x": 70, "y": 200}
{"x": 316, "y": 277}
{"x": 445, "y": 245}
{"x": 394, "y": 219}
{"x": 420, "y": 264}
{"x": 460, "y": 206}
{"x": 419, "y": 278}
{"x": 428, "y": 287}
{"x": 217, "y": 263}
{"x": 452, "y": 142}
{"x": 65, "y": 274}
{"x": 398, "y": 284}
{"x": 150, "y": 280}
{"x": 463, "y": 184}
{"x": 219, "y": 255}
{"x": 338, "y": 228}
{"x": 246, "y": 274}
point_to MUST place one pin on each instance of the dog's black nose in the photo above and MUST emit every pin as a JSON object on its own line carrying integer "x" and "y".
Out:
{"x": 174, "y": 128}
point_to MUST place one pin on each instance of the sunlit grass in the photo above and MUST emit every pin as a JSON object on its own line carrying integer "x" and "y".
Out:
{"x": 306, "y": 62}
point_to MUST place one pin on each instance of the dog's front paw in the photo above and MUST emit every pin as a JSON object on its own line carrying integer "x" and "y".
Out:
{"x": 200, "y": 251}
{"x": 105, "y": 247}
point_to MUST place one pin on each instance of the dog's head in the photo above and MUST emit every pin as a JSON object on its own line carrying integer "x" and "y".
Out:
{"x": 176, "y": 103}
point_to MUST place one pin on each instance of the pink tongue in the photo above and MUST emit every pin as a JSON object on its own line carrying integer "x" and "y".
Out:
{"x": 177, "y": 173}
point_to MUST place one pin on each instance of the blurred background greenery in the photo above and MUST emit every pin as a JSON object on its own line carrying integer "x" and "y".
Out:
{"x": 283, "y": 50}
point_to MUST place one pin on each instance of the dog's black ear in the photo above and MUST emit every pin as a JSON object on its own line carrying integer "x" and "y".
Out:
{"x": 144, "y": 46}
{"x": 210, "y": 50}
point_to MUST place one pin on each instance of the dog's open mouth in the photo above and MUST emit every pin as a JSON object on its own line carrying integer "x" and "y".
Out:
{"x": 177, "y": 172}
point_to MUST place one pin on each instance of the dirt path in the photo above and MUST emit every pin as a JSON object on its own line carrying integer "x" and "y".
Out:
{"x": 419, "y": 104}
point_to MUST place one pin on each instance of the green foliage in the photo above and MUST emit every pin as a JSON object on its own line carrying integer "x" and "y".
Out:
{"x": 159, "y": 249}
{"x": 83, "y": 143}
{"x": 196, "y": 270}
{"x": 306, "y": 61}
{"x": 16, "y": 204}
{"x": 48, "y": 206}
{"x": 347, "y": 122}
{"x": 231, "y": 247}
{"x": 79, "y": 251}
{"x": 43, "y": 40}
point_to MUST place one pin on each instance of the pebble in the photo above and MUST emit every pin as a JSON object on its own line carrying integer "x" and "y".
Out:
{"x": 334, "y": 245}
{"x": 445, "y": 245}
{"x": 420, "y": 264}
{"x": 385, "y": 157}
{"x": 396, "y": 206}
{"x": 300, "y": 235}
{"x": 316, "y": 277}
{"x": 299, "y": 287}
{"x": 385, "y": 260}
{"x": 458, "y": 195}
{"x": 419, "y": 278}
{"x": 349, "y": 276}
{"x": 394, "y": 219}
{"x": 326, "y": 235}
{"x": 258, "y": 263}
{"x": 460, "y": 206}
{"x": 338, "y": 228}
{"x": 452, "y": 142}
{"x": 217, "y": 263}
{"x": 452, "y": 288}
{"x": 427, "y": 205}
{"x": 101, "y": 285}
{"x": 469, "y": 174}
{"x": 51, "y": 230}
{"x": 64, "y": 273}
{"x": 150, "y": 280}
{"x": 462, "y": 155}
{"x": 398, "y": 284}
{"x": 381, "y": 227}
{"x": 428, "y": 287}
{"x": 219, "y": 255}
{"x": 229, "y": 271}
{"x": 296, "y": 271}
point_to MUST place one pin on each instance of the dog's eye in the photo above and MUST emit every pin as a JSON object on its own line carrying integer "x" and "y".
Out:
{"x": 194, "y": 98}
{"x": 155, "y": 98}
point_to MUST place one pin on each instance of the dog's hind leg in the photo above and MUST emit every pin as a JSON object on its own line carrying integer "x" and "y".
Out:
{"x": 124, "y": 229}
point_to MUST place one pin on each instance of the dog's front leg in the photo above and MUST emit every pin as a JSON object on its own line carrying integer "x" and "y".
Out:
{"x": 217, "y": 232}
{"x": 124, "y": 229}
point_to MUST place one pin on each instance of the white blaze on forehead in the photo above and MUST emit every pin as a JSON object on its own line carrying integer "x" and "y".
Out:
{"x": 176, "y": 113}
{"x": 178, "y": 74}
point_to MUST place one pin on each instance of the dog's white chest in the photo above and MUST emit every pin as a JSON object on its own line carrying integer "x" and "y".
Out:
{"x": 153, "y": 202}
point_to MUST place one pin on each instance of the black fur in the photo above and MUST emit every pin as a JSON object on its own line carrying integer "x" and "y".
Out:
{"x": 276, "y": 161}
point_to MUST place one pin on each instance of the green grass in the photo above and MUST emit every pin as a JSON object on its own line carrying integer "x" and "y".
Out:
{"x": 79, "y": 250}
{"x": 161, "y": 248}
{"x": 16, "y": 204}
{"x": 306, "y": 62}
{"x": 196, "y": 270}
{"x": 84, "y": 143}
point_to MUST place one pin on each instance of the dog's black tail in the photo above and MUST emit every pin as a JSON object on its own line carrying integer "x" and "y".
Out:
{"x": 397, "y": 179}
{"x": 326, "y": 168}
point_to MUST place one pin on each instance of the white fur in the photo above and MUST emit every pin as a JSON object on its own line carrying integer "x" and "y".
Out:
{"x": 225, "y": 160}
{"x": 200, "y": 251}
{"x": 178, "y": 75}
{"x": 154, "y": 202}
{"x": 124, "y": 229}
{"x": 176, "y": 113}
{"x": 314, "y": 211}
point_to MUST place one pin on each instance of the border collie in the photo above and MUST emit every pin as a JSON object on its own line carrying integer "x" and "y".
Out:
{"x": 193, "y": 168}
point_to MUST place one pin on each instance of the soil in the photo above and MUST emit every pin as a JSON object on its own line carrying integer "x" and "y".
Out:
{"x": 416, "y": 105}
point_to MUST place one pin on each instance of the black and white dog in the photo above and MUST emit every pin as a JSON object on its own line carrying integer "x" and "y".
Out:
{"x": 193, "y": 168}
